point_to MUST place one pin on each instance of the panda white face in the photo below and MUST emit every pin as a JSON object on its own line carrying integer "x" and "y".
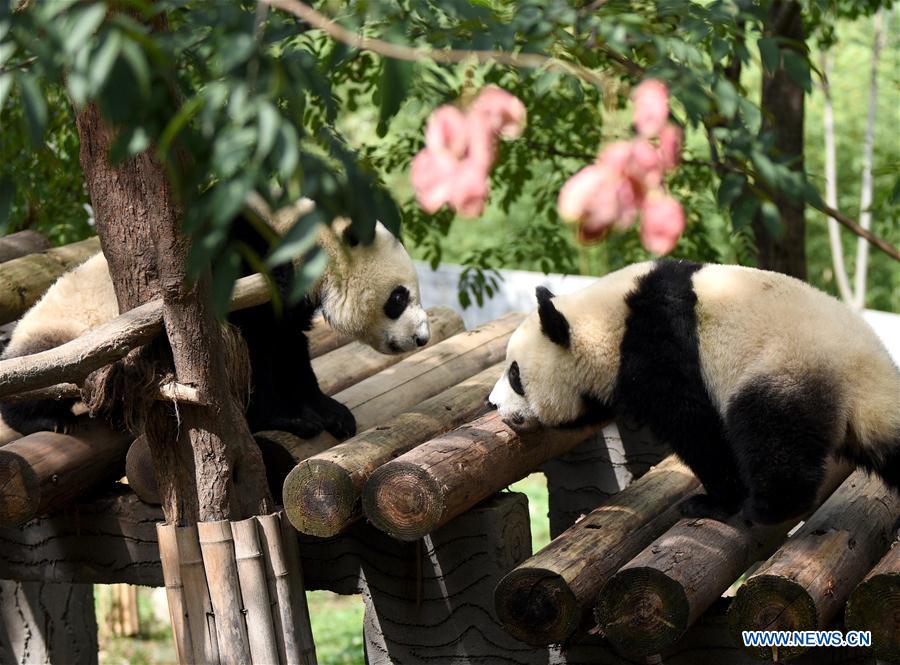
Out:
{"x": 543, "y": 384}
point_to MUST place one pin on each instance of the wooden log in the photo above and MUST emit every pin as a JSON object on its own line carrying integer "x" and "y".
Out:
{"x": 46, "y": 470}
{"x": 217, "y": 547}
{"x": 321, "y": 494}
{"x": 546, "y": 598}
{"x": 201, "y": 623}
{"x": 350, "y": 364}
{"x": 140, "y": 472}
{"x": 43, "y": 624}
{"x": 73, "y": 361}
{"x": 254, "y": 592}
{"x": 24, "y": 280}
{"x": 178, "y": 617}
{"x": 383, "y": 396}
{"x": 648, "y": 605}
{"x": 323, "y": 338}
{"x": 806, "y": 582}
{"x": 874, "y": 605}
{"x": 22, "y": 243}
{"x": 425, "y": 488}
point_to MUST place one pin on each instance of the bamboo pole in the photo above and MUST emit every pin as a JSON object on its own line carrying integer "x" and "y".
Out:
{"x": 875, "y": 606}
{"x": 175, "y": 594}
{"x": 431, "y": 484}
{"x": 202, "y": 627}
{"x": 321, "y": 494}
{"x": 23, "y": 280}
{"x": 254, "y": 591}
{"x": 806, "y": 582}
{"x": 299, "y": 606}
{"x": 350, "y": 364}
{"x": 46, "y": 470}
{"x": 648, "y": 605}
{"x": 22, "y": 243}
{"x": 547, "y": 597}
{"x": 217, "y": 547}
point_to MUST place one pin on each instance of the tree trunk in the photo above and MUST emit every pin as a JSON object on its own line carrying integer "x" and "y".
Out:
{"x": 195, "y": 448}
{"x": 783, "y": 110}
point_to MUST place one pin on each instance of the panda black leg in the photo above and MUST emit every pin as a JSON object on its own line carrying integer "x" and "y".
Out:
{"x": 32, "y": 416}
{"x": 715, "y": 466}
{"x": 782, "y": 435}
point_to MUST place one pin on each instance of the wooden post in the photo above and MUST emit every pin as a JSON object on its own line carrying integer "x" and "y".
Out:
{"x": 46, "y": 470}
{"x": 875, "y": 606}
{"x": 805, "y": 583}
{"x": 648, "y": 605}
{"x": 44, "y": 624}
{"x": 24, "y": 280}
{"x": 321, "y": 494}
{"x": 22, "y": 243}
{"x": 546, "y": 598}
{"x": 350, "y": 364}
{"x": 433, "y": 483}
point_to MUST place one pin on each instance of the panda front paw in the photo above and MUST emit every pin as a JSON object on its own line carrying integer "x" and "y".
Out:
{"x": 338, "y": 419}
{"x": 323, "y": 415}
{"x": 704, "y": 506}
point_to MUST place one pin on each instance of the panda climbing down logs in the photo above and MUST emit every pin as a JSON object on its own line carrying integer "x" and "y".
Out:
{"x": 368, "y": 292}
{"x": 753, "y": 377}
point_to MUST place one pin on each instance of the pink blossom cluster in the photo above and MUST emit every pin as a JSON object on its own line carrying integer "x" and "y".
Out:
{"x": 627, "y": 179}
{"x": 460, "y": 149}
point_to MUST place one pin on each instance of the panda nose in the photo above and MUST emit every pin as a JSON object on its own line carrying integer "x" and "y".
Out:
{"x": 421, "y": 341}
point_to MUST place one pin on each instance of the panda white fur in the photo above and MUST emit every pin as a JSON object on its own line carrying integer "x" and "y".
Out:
{"x": 753, "y": 377}
{"x": 368, "y": 292}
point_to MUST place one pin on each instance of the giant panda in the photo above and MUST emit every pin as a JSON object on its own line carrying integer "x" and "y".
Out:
{"x": 753, "y": 377}
{"x": 369, "y": 292}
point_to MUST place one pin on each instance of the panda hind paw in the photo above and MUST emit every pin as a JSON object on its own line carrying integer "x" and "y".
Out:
{"x": 704, "y": 506}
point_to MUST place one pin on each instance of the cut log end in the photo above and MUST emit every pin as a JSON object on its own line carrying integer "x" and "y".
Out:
{"x": 772, "y": 602}
{"x": 875, "y": 606}
{"x": 403, "y": 500}
{"x": 319, "y": 498}
{"x": 642, "y": 610}
{"x": 537, "y": 606}
{"x": 20, "y": 489}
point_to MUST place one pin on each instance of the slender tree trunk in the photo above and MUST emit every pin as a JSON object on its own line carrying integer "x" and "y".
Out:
{"x": 783, "y": 111}
{"x": 865, "y": 203}
{"x": 834, "y": 230}
{"x": 195, "y": 448}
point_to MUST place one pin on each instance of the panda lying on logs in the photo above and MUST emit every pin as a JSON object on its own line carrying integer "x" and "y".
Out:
{"x": 368, "y": 292}
{"x": 754, "y": 378}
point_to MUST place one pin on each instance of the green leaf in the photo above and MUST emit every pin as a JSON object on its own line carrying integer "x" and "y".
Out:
{"x": 82, "y": 24}
{"x": 7, "y": 194}
{"x": 298, "y": 240}
{"x": 769, "y": 53}
{"x": 104, "y": 59}
{"x": 771, "y": 219}
{"x": 134, "y": 54}
{"x": 743, "y": 210}
{"x": 730, "y": 188}
{"x": 797, "y": 68}
{"x": 726, "y": 97}
{"x": 225, "y": 272}
{"x": 765, "y": 167}
{"x": 269, "y": 121}
{"x": 6, "y": 82}
{"x": 307, "y": 273}
{"x": 129, "y": 142}
{"x": 396, "y": 76}
{"x": 35, "y": 108}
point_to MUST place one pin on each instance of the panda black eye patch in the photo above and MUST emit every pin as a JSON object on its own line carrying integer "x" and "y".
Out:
{"x": 396, "y": 302}
{"x": 515, "y": 381}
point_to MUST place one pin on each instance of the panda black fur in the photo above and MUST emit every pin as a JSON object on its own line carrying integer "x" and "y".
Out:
{"x": 368, "y": 292}
{"x": 754, "y": 378}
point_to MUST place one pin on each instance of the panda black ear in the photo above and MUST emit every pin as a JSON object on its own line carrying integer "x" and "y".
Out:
{"x": 553, "y": 323}
{"x": 350, "y": 237}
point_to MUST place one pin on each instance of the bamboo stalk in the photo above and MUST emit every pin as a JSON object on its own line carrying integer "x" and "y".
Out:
{"x": 547, "y": 597}
{"x": 217, "y": 546}
{"x": 168, "y": 554}
{"x": 805, "y": 583}
{"x": 251, "y": 571}
{"x": 874, "y": 605}
{"x": 277, "y": 577}
{"x": 321, "y": 494}
{"x": 201, "y": 623}
{"x": 299, "y": 606}
{"x": 425, "y": 488}
{"x": 350, "y": 364}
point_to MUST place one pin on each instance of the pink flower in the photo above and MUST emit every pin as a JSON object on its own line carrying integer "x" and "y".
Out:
{"x": 616, "y": 156}
{"x": 433, "y": 174}
{"x": 447, "y": 131}
{"x": 470, "y": 189}
{"x": 645, "y": 166}
{"x": 576, "y": 194}
{"x": 670, "y": 142}
{"x": 481, "y": 141}
{"x": 504, "y": 112}
{"x": 662, "y": 223}
{"x": 651, "y": 107}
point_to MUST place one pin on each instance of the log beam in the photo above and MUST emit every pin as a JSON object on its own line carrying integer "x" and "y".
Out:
{"x": 433, "y": 483}
{"x": 875, "y": 606}
{"x": 22, "y": 243}
{"x": 321, "y": 494}
{"x": 806, "y": 582}
{"x": 546, "y": 598}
